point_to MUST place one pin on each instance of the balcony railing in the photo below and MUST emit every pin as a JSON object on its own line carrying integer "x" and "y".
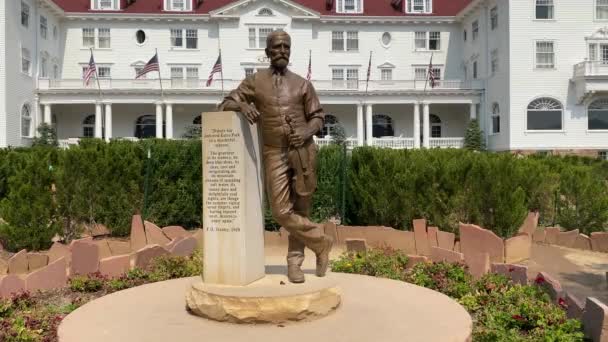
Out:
{"x": 350, "y": 142}
{"x": 446, "y": 142}
{"x": 591, "y": 68}
{"x": 191, "y": 84}
{"x": 394, "y": 142}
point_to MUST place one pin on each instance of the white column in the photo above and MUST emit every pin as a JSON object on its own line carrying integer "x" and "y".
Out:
{"x": 473, "y": 111}
{"x": 426, "y": 129}
{"x": 37, "y": 117}
{"x": 360, "y": 128}
{"x": 108, "y": 125}
{"x": 98, "y": 120}
{"x": 416, "y": 125}
{"x": 369, "y": 124}
{"x": 169, "y": 119}
{"x": 47, "y": 114}
{"x": 159, "y": 120}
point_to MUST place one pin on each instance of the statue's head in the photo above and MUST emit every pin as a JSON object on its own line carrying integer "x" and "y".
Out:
{"x": 278, "y": 49}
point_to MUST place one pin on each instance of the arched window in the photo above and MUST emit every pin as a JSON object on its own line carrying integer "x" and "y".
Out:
{"x": 435, "y": 122}
{"x": 495, "y": 118}
{"x": 88, "y": 126}
{"x": 545, "y": 114}
{"x": 145, "y": 126}
{"x": 329, "y": 128}
{"x": 598, "y": 115}
{"x": 26, "y": 121}
{"x": 382, "y": 126}
{"x": 265, "y": 12}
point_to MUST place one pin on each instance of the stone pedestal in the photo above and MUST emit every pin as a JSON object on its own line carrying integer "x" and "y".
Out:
{"x": 233, "y": 220}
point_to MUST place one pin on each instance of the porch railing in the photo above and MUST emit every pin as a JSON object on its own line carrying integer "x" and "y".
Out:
{"x": 395, "y": 143}
{"x": 350, "y": 142}
{"x": 446, "y": 142}
{"x": 591, "y": 68}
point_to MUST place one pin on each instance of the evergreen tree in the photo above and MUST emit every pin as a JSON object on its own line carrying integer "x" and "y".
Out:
{"x": 473, "y": 139}
{"x": 47, "y": 136}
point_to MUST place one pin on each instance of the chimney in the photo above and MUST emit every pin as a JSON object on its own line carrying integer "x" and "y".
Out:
{"x": 329, "y": 4}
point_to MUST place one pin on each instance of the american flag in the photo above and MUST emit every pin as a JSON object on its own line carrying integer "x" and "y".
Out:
{"x": 90, "y": 71}
{"x": 152, "y": 65}
{"x": 217, "y": 67}
{"x": 369, "y": 67}
{"x": 432, "y": 76}
{"x": 309, "y": 74}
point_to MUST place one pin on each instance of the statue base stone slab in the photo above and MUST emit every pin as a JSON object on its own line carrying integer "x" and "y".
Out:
{"x": 271, "y": 299}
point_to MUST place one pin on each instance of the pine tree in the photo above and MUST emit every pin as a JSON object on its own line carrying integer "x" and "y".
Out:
{"x": 473, "y": 139}
{"x": 47, "y": 136}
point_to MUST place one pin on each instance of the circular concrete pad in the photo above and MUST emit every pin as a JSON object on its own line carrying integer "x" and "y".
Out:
{"x": 372, "y": 309}
{"x": 272, "y": 299}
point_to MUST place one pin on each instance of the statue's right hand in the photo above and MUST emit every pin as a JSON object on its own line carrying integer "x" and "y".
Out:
{"x": 250, "y": 112}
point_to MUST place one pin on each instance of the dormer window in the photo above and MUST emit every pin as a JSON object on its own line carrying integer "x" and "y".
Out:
{"x": 105, "y": 5}
{"x": 419, "y": 6}
{"x": 178, "y": 5}
{"x": 349, "y": 6}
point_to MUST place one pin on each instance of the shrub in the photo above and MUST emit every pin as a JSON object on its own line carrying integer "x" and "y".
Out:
{"x": 172, "y": 267}
{"x": 385, "y": 263}
{"x": 473, "y": 137}
{"x": 450, "y": 279}
{"x": 87, "y": 283}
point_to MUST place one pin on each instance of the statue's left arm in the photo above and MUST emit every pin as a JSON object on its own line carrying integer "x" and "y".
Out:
{"x": 314, "y": 112}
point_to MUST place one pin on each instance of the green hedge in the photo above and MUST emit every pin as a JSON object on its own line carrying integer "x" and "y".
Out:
{"x": 105, "y": 183}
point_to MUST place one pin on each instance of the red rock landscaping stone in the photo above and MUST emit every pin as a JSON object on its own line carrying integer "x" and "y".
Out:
{"x": 85, "y": 258}
{"x": 183, "y": 247}
{"x": 3, "y": 267}
{"x": 567, "y": 239}
{"x": 18, "y": 263}
{"x": 599, "y": 242}
{"x": 530, "y": 223}
{"x": 518, "y": 248}
{"x": 138, "y": 234}
{"x": 478, "y": 264}
{"x": 582, "y": 242}
{"x": 574, "y": 307}
{"x": 98, "y": 230}
{"x": 104, "y": 249}
{"x": 445, "y": 240}
{"x": 413, "y": 260}
{"x": 457, "y": 246}
{"x": 173, "y": 232}
{"x": 36, "y": 261}
{"x": 53, "y": 276}
{"x": 58, "y": 251}
{"x": 539, "y": 236}
{"x": 553, "y": 286}
{"x": 432, "y": 236}
{"x": 115, "y": 266}
{"x": 11, "y": 284}
{"x": 144, "y": 256}
{"x": 551, "y": 235}
{"x": 155, "y": 235}
{"x": 356, "y": 245}
{"x": 440, "y": 254}
{"x": 474, "y": 239}
{"x": 378, "y": 237}
{"x": 423, "y": 247}
{"x": 595, "y": 320}
{"x": 119, "y": 247}
{"x": 517, "y": 273}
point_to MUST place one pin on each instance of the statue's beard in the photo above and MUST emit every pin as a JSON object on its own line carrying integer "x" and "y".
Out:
{"x": 280, "y": 62}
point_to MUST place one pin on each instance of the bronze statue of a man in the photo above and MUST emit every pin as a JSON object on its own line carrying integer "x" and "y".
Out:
{"x": 289, "y": 112}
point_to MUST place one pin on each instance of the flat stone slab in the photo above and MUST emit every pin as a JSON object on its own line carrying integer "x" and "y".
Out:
{"x": 271, "y": 299}
{"x": 373, "y": 309}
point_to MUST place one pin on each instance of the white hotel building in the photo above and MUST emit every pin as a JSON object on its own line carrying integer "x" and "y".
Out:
{"x": 533, "y": 72}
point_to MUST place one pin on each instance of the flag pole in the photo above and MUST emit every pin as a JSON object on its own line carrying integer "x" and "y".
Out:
{"x": 97, "y": 77}
{"x": 160, "y": 80}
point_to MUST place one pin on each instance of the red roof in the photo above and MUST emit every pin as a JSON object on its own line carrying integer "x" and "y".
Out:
{"x": 371, "y": 7}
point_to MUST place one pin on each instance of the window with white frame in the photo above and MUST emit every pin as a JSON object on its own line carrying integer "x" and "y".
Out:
{"x": 43, "y": 27}
{"x": 494, "y": 62}
{"x": 382, "y": 126}
{"x": 349, "y": 6}
{"x": 386, "y": 39}
{"x": 184, "y": 75}
{"x": 475, "y": 70}
{"x": 495, "y": 118}
{"x": 494, "y": 18}
{"x": 178, "y": 5}
{"x": 436, "y": 127}
{"x": 430, "y": 41}
{"x": 88, "y": 37}
{"x": 258, "y": 35}
{"x": 102, "y": 71}
{"x": 421, "y": 73}
{"x": 603, "y": 155}
{"x": 345, "y": 77}
{"x": 177, "y": 39}
{"x": 192, "y": 76}
{"x": 601, "y": 9}
{"x": 44, "y": 66}
{"x": 25, "y": 14}
{"x": 345, "y": 41}
{"x": 597, "y": 115}
{"x": 545, "y": 114}
{"x": 545, "y": 55}
{"x": 138, "y": 68}
{"x": 386, "y": 74}
{"x": 464, "y": 35}
{"x": 88, "y": 126}
{"x": 104, "y": 39}
{"x": 419, "y": 6}
{"x": 475, "y": 29}
{"x": 545, "y": 9}
{"x": 177, "y": 73}
{"x": 111, "y": 5}
{"x": 26, "y": 61}
{"x": 26, "y": 121}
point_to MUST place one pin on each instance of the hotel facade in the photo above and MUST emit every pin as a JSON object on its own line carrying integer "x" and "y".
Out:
{"x": 534, "y": 73}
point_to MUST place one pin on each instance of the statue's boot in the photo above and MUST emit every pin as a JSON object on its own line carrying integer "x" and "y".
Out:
{"x": 323, "y": 256}
{"x": 295, "y": 259}
{"x": 295, "y": 274}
